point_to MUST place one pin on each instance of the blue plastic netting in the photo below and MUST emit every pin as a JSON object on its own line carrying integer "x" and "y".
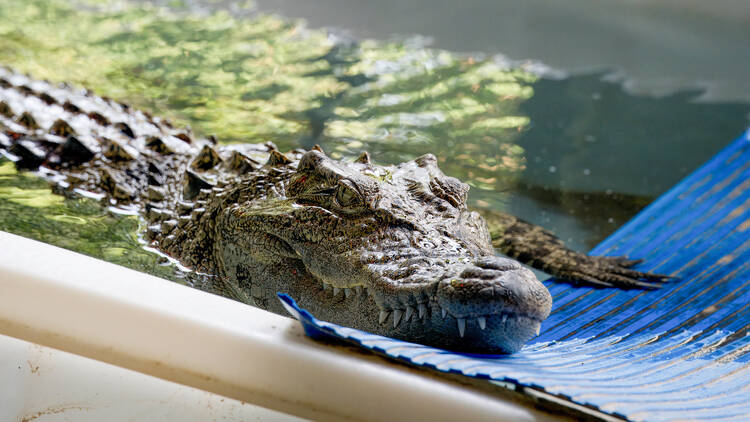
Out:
{"x": 681, "y": 352}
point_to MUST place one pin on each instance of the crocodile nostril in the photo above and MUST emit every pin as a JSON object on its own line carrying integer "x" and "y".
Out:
{"x": 479, "y": 273}
{"x": 497, "y": 263}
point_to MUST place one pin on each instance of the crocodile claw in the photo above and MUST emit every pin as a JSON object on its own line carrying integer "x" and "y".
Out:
{"x": 541, "y": 249}
{"x": 604, "y": 271}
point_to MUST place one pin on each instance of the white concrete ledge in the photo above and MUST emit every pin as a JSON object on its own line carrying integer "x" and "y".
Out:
{"x": 42, "y": 384}
{"x": 74, "y": 303}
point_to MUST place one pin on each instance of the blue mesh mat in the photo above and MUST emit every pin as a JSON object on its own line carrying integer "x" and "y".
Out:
{"x": 681, "y": 352}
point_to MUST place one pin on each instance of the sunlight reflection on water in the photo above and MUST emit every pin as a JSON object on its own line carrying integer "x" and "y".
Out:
{"x": 578, "y": 155}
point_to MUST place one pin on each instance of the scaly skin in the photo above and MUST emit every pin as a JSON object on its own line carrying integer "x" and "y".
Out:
{"x": 392, "y": 250}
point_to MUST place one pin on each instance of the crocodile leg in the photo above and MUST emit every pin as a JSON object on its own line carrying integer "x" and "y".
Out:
{"x": 539, "y": 248}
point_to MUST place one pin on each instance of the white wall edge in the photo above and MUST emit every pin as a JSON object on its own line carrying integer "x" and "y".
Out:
{"x": 71, "y": 302}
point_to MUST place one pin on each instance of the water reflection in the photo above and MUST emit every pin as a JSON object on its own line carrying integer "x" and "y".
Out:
{"x": 599, "y": 137}
{"x": 596, "y": 154}
{"x": 408, "y": 101}
{"x": 579, "y": 155}
{"x": 29, "y": 208}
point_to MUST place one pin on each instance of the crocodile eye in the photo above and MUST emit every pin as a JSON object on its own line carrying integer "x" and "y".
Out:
{"x": 346, "y": 195}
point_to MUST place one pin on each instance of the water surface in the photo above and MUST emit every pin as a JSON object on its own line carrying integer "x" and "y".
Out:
{"x": 579, "y": 155}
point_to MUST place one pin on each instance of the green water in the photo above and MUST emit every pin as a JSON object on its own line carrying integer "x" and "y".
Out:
{"x": 29, "y": 208}
{"x": 564, "y": 154}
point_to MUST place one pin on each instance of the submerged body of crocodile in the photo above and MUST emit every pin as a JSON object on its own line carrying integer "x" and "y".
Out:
{"x": 388, "y": 249}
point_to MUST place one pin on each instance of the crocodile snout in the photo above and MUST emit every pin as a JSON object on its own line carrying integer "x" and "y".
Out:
{"x": 493, "y": 285}
{"x": 506, "y": 301}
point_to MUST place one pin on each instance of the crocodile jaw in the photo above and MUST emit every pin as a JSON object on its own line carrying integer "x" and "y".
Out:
{"x": 496, "y": 331}
{"x": 490, "y": 305}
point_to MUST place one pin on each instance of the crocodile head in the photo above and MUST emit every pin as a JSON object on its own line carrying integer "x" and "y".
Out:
{"x": 391, "y": 250}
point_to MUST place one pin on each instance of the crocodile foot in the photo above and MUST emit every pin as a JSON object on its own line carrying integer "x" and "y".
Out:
{"x": 601, "y": 271}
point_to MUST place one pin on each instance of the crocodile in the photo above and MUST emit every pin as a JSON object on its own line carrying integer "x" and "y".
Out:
{"x": 389, "y": 249}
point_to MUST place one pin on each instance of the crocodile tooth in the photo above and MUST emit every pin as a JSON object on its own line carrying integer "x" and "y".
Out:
{"x": 358, "y": 289}
{"x": 538, "y": 330}
{"x": 125, "y": 129}
{"x": 461, "y": 326}
{"x": 27, "y": 120}
{"x": 397, "y": 317}
{"x": 422, "y": 310}
{"x": 206, "y": 159}
{"x": 5, "y": 109}
{"x": 325, "y": 286}
{"x": 383, "y": 316}
{"x": 73, "y": 151}
{"x": 336, "y": 291}
{"x": 363, "y": 158}
{"x": 505, "y": 318}
{"x": 98, "y": 118}
{"x": 276, "y": 158}
{"x": 61, "y": 128}
{"x": 347, "y": 292}
{"x": 409, "y": 313}
{"x": 444, "y": 312}
{"x": 482, "y": 322}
